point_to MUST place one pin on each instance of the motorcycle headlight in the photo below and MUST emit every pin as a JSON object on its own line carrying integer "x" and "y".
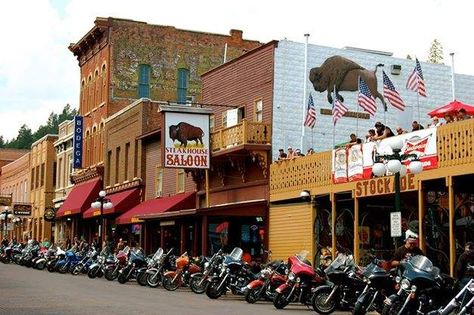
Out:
{"x": 405, "y": 284}
{"x": 398, "y": 279}
{"x": 206, "y": 265}
{"x": 291, "y": 276}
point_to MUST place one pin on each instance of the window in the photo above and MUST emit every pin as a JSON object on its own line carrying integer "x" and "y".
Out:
{"x": 32, "y": 178}
{"x": 211, "y": 123}
{"x": 70, "y": 164}
{"x": 259, "y": 110}
{"x": 135, "y": 160}
{"x": 42, "y": 175}
{"x": 159, "y": 181}
{"x": 54, "y": 174}
{"x": 224, "y": 119}
{"x": 37, "y": 172}
{"x": 117, "y": 162}
{"x": 180, "y": 180}
{"x": 109, "y": 160}
{"x": 60, "y": 165}
{"x": 183, "y": 78}
{"x": 127, "y": 149}
{"x": 143, "y": 81}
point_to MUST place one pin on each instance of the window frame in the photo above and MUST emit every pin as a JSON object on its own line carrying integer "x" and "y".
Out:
{"x": 180, "y": 176}
{"x": 159, "y": 181}
{"x": 182, "y": 85}
{"x": 258, "y": 111}
{"x": 144, "y": 75}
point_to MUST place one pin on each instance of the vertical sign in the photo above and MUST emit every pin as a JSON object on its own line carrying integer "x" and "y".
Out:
{"x": 77, "y": 141}
{"x": 395, "y": 224}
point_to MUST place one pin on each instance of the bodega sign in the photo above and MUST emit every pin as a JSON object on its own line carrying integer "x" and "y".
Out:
{"x": 186, "y": 140}
{"x": 77, "y": 141}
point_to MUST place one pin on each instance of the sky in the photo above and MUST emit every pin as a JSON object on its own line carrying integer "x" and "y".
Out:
{"x": 38, "y": 74}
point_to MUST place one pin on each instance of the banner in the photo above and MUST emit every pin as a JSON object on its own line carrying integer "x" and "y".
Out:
{"x": 77, "y": 141}
{"x": 340, "y": 165}
{"x": 186, "y": 140}
{"x": 421, "y": 142}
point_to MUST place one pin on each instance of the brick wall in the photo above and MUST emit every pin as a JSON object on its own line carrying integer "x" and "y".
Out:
{"x": 16, "y": 179}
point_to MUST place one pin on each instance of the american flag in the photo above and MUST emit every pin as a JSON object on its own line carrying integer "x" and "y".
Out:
{"x": 415, "y": 80}
{"x": 310, "y": 120}
{"x": 338, "y": 109}
{"x": 366, "y": 100}
{"x": 391, "y": 94}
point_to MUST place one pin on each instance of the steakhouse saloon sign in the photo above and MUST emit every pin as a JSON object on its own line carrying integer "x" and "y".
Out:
{"x": 384, "y": 185}
{"x": 186, "y": 140}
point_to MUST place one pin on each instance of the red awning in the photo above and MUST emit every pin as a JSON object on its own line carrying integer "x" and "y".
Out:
{"x": 122, "y": 201}
{"x": 156, "y": 206}
{"x": 451, "y": 108}
{"x": 80, "y": 198}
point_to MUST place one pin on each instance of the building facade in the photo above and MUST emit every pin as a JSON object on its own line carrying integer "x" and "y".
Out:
{"x": 42, "y": 186}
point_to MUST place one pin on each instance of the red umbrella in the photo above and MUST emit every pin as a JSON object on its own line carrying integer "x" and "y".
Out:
{"x": 222, "y": 227}
{"x": 452, "y": 108}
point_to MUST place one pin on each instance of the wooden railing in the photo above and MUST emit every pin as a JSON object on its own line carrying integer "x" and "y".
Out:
{"x": 306, "y": 172}
{"x": 455, "y": 143}
{"x": 245, "y": 132}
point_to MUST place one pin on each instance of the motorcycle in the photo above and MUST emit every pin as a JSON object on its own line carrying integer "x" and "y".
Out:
{"x": 234, "y": 275}
{"x": 269, "y": 279}
{"x": 198, "y": 282}
{"x": 343, "y": 287}
{"x": 53, "y": 260}
{"x": 159, "y": 263}
{"x": 42, "y": 261}
{"x": 421, "y": 288}
{"x": 302, "y": 278}
{"x": 185, "y": 267}
{"x": 461, "y": 304}
{"x": 379, "y": 284}
{"x": 113, "y": 264}
{"x": 70, "y": 259}
{"x": 135, "y": 261}
{"x": 85, "y": 263}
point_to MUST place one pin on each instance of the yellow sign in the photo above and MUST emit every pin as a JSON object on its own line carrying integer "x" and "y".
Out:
{"x": 136, "y": 220}
{"x": 384, "y": 185}
{"x": 67, "y": 212}
{"x": 96, "y": 213}
{"x": 166, "y": 223}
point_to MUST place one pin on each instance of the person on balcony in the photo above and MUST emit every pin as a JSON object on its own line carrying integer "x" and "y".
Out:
{"x": 298, "y": 153}
{"x": 291, "y": 154}
{"x": 400, "y": 131}
{"x": 310, "y": 151}
{"x": 435, "y": 123}
{"x": 416, "y": 126}
{"x": 382, "y": 131}
{"x": 282, "y": 155}
{"x": 462, "y": 115}
{"x": 448, "y": 118}
{"x": 353, "y": 140}
{"x": 370, "y": 135}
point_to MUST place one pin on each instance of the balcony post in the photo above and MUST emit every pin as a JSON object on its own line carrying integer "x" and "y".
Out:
{"x": 244, "y": 126}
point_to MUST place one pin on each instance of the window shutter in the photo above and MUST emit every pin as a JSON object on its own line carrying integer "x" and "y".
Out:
{"x": 143, "y": 81}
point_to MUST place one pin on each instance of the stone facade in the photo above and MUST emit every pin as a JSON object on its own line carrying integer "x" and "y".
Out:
{"x": 289, "y": 103}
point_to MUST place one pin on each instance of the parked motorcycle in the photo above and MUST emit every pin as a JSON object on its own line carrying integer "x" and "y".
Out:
{"x": 422, "y": 288}
{"x": 461, "y": 304}
{"x": 53, "y": 260}
{"x": 185, "y": 267}
{"x": 85, "y": 263}
{"x": 70, "y": 259}
{"x": 343, "y": 287}
{"x": 159, "y": 262}
{"x": 113, "y": 264}
{"x": 42, "y": 261}
{"x": 198, "y": 282}
{"x": 135, "y": 261}
{"x": 302, "y": 278}
{"x": 268, "y": 280}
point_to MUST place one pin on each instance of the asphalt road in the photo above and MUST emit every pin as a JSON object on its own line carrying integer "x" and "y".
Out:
{"x": 29, "y": 291}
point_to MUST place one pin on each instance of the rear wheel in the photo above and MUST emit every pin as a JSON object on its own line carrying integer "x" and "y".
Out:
{"x": 63, "y": 268}
{"x": 212, "y": 292}
{"x": 169, "y": 284}
{"x": 111, "y": 274}
{"x": 280, "y": 301}
{"x": 77, "y": 269}
{"x": 320, "y": 303}
{"x": 41, "y": 265}
{"x": 194, "y": 284}
{"x": 253, "y": 295}
{"x": 123, "y": 276}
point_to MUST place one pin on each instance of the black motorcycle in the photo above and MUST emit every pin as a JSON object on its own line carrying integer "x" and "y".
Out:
{"x": 160, "y": 262}
{"x": 135, "y": 262}
{"x": 379, "y": 284}
{"x": 234, "y": 275}
{"x": 461, "y": 304}
{"x": 198, "y": 282}
{"x": 422, "y": 288}
{"x": 343, "y": 287}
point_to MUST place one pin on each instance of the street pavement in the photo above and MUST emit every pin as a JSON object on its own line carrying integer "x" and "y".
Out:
{"x": 29, "y": 291}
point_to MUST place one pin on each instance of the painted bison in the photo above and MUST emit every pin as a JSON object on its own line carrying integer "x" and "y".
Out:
{"x": 184, "y": 132}
{"x": 343, "y": 74}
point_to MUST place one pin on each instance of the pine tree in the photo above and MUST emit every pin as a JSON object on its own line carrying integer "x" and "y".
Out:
{"x": 436, "y": 52}
{"x": 2, "y": 142}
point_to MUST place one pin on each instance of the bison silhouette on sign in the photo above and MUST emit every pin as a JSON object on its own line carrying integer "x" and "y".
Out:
{"x": 184, "y": 132}
{"x": 343, "y": 74}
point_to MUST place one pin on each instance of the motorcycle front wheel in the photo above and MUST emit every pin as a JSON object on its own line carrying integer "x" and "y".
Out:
{"x": 41, "y": 265}
{"x": 76, "y": 270}
{"x": 169, "y": 284}
{"x": 153, "y": 280}
{"x": 212, "y": 292}
{"x": 360, "y": 308}
{"x": 281, "y": 300}
{"x": 63, "y": 268}
{"x": 123, "y": 276}
{"x": 194, "y": 284}
{"x": 111, "y": 274}
{"x": 253, "y": 295}
{"x": 319, "y": 302}
{"x": 92, "y": 273}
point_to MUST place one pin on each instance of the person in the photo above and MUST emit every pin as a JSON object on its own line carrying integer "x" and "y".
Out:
{"x": 382, "y": 131}
{"x": 291, "y": 154}
{"x": 410, "y": 248}
{"x": 400, "y": 130}
{"x": 435, "y": 123}
{"x": 282, "y": 155}
{"x": 448, "y": 118}
{"x": 464, "y": 270}
{"x": 353, "y": 140}
{"x": 68, "y": 243}
{"x": 310, "y": 151}
{"x": 120, "y": 245}
{"x": 5, "y": 242}
{"x": 370, "y": 135}
{"x": 45, "y": 243}
{"x": 416, "y": 126}
{"x": 462, "y": 115}
{"x": 298, "y": 152}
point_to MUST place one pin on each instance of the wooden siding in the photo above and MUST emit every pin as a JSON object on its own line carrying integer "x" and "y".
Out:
{"x": 454, "y": 143}
{"x": 291, "y": 230}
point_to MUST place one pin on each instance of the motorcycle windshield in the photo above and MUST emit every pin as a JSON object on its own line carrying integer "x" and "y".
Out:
{"x": 158, "y": 254}
{"x": 341, "y": 260}
{"x": 422, "y": 263}
{"x": 236, "y": 253}
{"x": 126, "y": 250}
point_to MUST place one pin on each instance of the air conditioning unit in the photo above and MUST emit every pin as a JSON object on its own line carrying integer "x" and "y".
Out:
{"x": 190, "y": 99}
{"x": 395, "y": 69}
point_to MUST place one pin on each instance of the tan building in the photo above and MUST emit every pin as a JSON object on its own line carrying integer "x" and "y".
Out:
{"x": 42, "y": 185}
{"x": 9, "y": 155}
{"x": 15, "y": 182}
{"x": 63, "y": 147}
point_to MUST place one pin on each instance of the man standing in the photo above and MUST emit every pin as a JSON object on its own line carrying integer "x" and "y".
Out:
{"x": 409, "y": 249}
{"x": 464, "y": 270}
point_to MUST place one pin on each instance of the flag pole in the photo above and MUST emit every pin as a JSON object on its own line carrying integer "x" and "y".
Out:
{"x": 418, "y": 105}
{"x": 333, "y": 123}
{"x": 452, "y": 76}
{"x": 305, "y": 80}
{"x": 357, "y": 111}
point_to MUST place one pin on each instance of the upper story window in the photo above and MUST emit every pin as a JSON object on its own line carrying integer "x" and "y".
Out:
{"x": 180, "y": 180}
{"x": 212, "y": 123}
{"x": 143, "y": 81}
{"x": 258, "y": 110}
{"x": 182, "y": 91}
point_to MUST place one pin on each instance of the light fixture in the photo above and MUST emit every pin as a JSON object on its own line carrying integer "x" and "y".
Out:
{"x": 304, "y": 194}
{"x": 68, "y": 219}
{"x": 396, "y": 143}
{"x": 378, "y": 169}
{"x": 416, "y": 167}
{"x": 10, "y": 216}
{"x": 102, "y": 193}
{"x": 108, "y": 205}
{"x": 394, "y": 166}
{"x": 403, "y": 170}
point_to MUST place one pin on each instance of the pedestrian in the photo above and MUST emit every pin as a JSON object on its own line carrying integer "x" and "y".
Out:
{"x": 298, "y": 153}
{"x": 416, "y": 126}
{"x": 382, "y": 131}
{"x": 410, "y": 248}
{"x": 464, "y": 270}
{"x": 68, "y": 243}
{"x": 282, "y": 155}
{"x": 120, "y": 245}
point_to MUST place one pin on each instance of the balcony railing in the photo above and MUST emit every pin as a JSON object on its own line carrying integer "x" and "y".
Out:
{"x": 455, "y": 146}
{"x": 245, "y": 132}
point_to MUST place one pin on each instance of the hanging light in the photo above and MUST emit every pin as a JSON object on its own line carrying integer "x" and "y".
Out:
{"x": 403, "y": 170}
{"x": 378, "y": 169}
{"x": 416, "y": 167}
{"x": 396, "y": 143}
{"x": 394, "y": 166}
{"x": 102, "y": 193}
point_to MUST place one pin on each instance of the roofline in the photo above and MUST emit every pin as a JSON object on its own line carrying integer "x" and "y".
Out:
{"x": 44, "y": 138}
{"x": 255, "y": 50}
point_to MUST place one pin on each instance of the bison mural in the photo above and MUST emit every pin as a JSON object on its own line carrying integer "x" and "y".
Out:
{"x": 184, "y": 132}
{"x": 343, "y": 74}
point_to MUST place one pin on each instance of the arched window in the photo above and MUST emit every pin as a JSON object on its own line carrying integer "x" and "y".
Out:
{"x": 94, "y": 145}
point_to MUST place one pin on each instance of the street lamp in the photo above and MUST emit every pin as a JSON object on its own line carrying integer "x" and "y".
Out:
{"x": 101, "y": 203}
{"x": 5, "y": 215}
{"x": 393, "y": 163}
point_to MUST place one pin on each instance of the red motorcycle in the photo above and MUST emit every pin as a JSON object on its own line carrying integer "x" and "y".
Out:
{"x": 302, "y": 278}
{"x": 269, "y": 279}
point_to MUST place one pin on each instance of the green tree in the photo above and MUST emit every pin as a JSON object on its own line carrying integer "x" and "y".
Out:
{"x": 436, "y": 52}
{"x": 2, "y": 142}
{"x": 24, "y": 138}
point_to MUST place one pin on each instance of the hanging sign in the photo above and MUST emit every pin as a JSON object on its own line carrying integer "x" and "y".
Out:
{"x": 395, "y": 224}
{"x": 77, "y": 141}
{"x": 49, "y": 214}
{"x": 20, "y": 209}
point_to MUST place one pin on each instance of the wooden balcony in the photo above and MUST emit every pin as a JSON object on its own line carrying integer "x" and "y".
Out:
{"x": 455, "y": 152}
{"x": 244, "y": 133}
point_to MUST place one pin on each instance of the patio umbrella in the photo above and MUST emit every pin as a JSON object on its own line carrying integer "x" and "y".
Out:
{"x": 451, "y": 108}
{"x": 222, "y": 227}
